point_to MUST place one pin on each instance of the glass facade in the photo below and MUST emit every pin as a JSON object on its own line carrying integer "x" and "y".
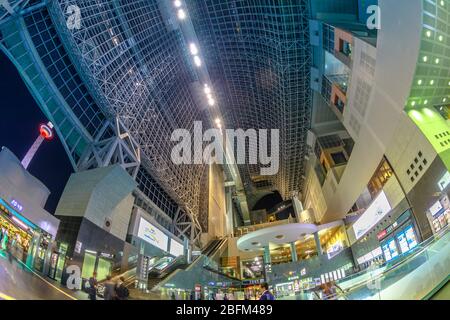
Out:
{"x": 259, "y": 53}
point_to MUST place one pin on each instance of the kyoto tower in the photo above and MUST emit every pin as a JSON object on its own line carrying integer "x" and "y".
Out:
{"x": 45, "y": 133}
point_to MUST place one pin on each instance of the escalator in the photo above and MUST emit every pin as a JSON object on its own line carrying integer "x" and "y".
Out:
{"x": 203, "y": 271}
{"x": 163, "y": 268}
{"x": 212, "y": 247}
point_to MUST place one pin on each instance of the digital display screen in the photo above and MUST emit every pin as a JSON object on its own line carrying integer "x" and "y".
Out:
{"x": 152, "y": 235}
{"x": 436, "y": 208}
{"x": 393, "y": 248}
{"x": 374, "y": 213}
{"x": 387, "y": 253}
{"x": 404, "y": 247}
{"x": 176, "y": 248}
{"x": 411, "y": 237}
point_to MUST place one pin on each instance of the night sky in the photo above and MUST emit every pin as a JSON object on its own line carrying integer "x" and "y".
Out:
{"x": 19, "y": 122}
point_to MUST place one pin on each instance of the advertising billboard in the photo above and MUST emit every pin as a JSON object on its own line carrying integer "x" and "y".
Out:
{"x": 374, "y": 213}
{"x": 436, "y": 208}
{"x": 152, "y": 235}
{"x": 176, "y": 248}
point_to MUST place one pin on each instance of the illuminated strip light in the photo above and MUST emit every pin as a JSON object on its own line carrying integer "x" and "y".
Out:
{"x": 20, "y": 223}
{"x": 18, "y": 216}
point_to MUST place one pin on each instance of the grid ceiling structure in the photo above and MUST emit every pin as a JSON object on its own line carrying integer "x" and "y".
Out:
{"x": 258, "y": 53}
{"x": 137, "y": 70}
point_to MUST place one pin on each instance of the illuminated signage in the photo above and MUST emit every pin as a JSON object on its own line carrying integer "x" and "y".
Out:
{"x": 436, "y": 208}
{"x": 374, "y": 213}
{"x": 334, "y": 250}
{"x": 16, "y": 205}
{"x": 176, "y": 249}
{"x": 381, "y": 235}
{"x": 152, "y": 235}
{"x": 444, "y": 182}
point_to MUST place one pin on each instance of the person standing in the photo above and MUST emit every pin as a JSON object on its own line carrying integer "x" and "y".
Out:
{"x": 5, "y": 240}
{"x": 110, "y": 289}
{"x": 92, "y": 290}
{"x": 122, "y": 291}
{"x": 267, "y": 295}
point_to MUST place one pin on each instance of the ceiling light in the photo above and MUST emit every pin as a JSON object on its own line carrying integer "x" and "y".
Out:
{"x": 217, "y": 121}
{"x": 177, "y": 3}
{"x": 425, "y": 58}
{"x": 419, "y": 82}
{"x": 441, "y": 38}
{"x": 193, "y": 48}
{"x": 431, "y": 82}
{"x": 181, "y": 14}
{"x": 437, "y": 60}
{"x": 197, "y": 61}
{"x": 428, "y": 33}
{"x": 207, "y": 90}
{"x": 211, "y": 102}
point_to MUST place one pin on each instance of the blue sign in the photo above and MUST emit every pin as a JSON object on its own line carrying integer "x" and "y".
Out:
{"x": 16, "y": 205}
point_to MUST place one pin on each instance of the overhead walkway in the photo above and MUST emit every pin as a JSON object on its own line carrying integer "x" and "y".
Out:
{"x": 421, "y": 275}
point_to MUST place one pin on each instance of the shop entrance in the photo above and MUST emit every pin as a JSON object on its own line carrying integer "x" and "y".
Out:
{"x": 57, "y": 262}
{"x": 15, "y": 236}
{"x": 95, "y": 263}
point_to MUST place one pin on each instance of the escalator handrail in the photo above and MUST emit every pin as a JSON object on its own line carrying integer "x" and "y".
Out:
{"x": 213, "y": 247}
{"x": 422, "y": 248}
{"x": 221, "y": 273}
{"x": 175, "y": 263}
{"x": 411, "y": 254}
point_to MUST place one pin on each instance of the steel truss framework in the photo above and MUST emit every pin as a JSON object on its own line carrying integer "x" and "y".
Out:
{"x": 135, "y": 70}
{"x": 113, "y": 145}
{"x": 258, "y": 52}
{"x": 141, "y": 84}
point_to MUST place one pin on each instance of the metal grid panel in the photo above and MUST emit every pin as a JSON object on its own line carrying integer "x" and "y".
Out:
{"x": 136, "y": 70}
{"x": 259, "y": 55}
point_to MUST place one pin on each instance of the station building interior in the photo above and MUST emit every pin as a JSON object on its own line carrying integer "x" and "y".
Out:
{"x": 359, "y": 91}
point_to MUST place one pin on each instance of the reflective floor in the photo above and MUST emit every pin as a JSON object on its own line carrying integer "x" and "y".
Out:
{"x": 17, "y": 282}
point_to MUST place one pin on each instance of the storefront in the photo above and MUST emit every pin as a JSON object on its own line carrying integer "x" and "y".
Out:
{"x": 57, "y": 262}
{"x": 100, "y": 262}
{"x": 399, "y": 238}
{"x": 23, "y": 239}
{"x": 439, "y": 214}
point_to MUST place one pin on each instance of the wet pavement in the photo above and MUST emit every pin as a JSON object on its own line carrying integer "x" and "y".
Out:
{"x": 18, "y": 282}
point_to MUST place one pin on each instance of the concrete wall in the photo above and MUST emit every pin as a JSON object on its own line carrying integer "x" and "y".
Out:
{"x": 395, "y": 65}
{"x": 217, "y": 221}
{"x": 18, "y": 184}
{"x": 100, "y": 195}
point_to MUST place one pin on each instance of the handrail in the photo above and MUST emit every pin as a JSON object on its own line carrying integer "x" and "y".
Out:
{"x": 419, "y": 250}
{"x": 402, "y": 258}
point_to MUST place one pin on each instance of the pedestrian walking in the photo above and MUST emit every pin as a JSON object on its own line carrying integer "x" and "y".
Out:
{"x": 110, "y": 289}
{"x": 92, "y": 289}
{"x": 122, "y": 292}
{"x": 267, "y": 295}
